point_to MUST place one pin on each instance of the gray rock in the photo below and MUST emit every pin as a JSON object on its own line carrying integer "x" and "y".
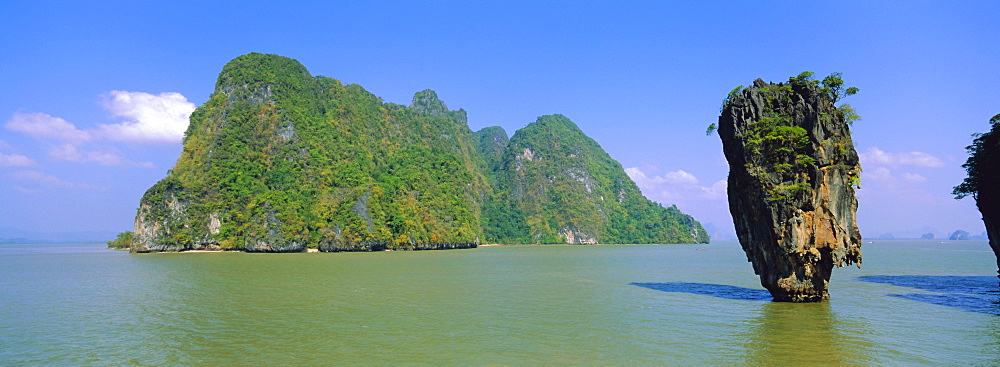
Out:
{"x": 791, "y": 188}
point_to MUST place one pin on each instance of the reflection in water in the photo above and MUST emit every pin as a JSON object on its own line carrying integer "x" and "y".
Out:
{"x": 970, "y": 293}
{"x": 516, "y": 305}
{"x": 708, "y": 289}
{"x": 788, "y": 334}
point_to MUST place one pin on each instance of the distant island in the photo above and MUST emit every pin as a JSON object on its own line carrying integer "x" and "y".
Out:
{"x": 957, "y": 235}
{"x": 278, "y": 160}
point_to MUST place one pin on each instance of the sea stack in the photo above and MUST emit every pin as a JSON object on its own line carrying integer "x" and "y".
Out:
{"x": 792, "y": 174}
{"x": 983, "y": 182}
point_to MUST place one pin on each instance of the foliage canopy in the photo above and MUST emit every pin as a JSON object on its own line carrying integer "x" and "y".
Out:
{"x": 983, "y": 164}
{"x": 278, "y": 156}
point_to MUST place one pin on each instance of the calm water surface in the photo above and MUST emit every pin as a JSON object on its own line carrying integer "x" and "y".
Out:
{"x": 919, "y": 302}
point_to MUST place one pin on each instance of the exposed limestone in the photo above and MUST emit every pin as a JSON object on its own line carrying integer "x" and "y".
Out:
{"x": 157, "y": 225}
{"x": 574, "y": 237}
{"x": 792, "y": 173}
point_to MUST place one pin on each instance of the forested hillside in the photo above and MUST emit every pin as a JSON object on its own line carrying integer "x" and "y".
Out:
{"x": 278, "y": 160}
{"x": 557, "y": 185}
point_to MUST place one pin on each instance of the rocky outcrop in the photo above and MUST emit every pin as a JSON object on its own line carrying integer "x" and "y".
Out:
{"x": 163, "y": 223}
{"x": 991, "y": 218}
{"x": 983, "y": 182}
{"x": 959, "y": 235}
{"x": 792, "y": 173}
{"x": 167, "y": 222}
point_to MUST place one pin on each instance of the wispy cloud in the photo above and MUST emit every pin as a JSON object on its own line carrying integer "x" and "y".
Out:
{"x": 45, "y": 126}
{"x": 149, "y": 118}
{"x": 15, "y": 160}
{"x": 877, "y": 156}
{"x": 913, "y": 177}
{"x": 877, "y": 174}
{"x": 107, "y": 157}
{"x": 717, "y": 191}
{"x": 895, "y": 175}
{"x": 44, "y": 179}
{"x": 675, "y": 185}
{"x": 26, "y": 190}
{"x": 680, "y": 177}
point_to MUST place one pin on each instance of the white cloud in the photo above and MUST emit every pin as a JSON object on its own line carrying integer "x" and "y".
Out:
{"x": 717, "y": 191}
{"x": 680, "y": 177}
{"x": 109, "y": 157}
{"x": 878, "y": 174}
{"x": 913, "y": 177}
{"x": 879, "y": 157}
{"x": 676, "y": 185}
{"x": 42, "y": 125}
{"x": 149, "y": 118}
{"x": 15, "y": 160}
{"x": 884, "y": 182}
{"x": 636, "y": 175}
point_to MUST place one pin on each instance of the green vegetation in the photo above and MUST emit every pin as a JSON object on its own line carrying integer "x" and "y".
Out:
{"x": 781, "y": 147}
{"x": 833, "y": 86}
{"x": 982, "y": 164}
{"x": 122, "y": 242}
{"x": 555, "y": 182}
{"x": 279, "y": 157}
{"x": 725, "y": 102}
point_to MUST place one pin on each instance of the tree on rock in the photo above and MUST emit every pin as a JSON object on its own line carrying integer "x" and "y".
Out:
{"x": 792, "y": 173}
{"x": 983, "y": 182}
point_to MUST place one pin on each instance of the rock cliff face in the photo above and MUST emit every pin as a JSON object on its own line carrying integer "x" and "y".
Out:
{"x": 983, "y": 182}
{"x": 990, "y": 208}
{"x": 792, "y": 168}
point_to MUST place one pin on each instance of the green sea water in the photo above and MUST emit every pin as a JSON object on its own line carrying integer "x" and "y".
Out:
{"x": 913, "y": 302}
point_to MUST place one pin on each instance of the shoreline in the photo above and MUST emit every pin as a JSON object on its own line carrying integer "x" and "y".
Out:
{"x": 316, "y": 250}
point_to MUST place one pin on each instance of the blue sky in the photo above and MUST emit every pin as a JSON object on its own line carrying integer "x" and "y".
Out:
{"x": 92, "y": 95}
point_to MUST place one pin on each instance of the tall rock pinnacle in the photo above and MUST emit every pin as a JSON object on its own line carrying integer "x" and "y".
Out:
{"x": 984, "y": 181}
{"x": 792, "y": 172}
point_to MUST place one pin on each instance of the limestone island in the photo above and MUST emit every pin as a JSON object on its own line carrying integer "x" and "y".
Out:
{"x": 983, "y": 182}
{"x": 792, "y": 174}
{"x": 279, "y": 160}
